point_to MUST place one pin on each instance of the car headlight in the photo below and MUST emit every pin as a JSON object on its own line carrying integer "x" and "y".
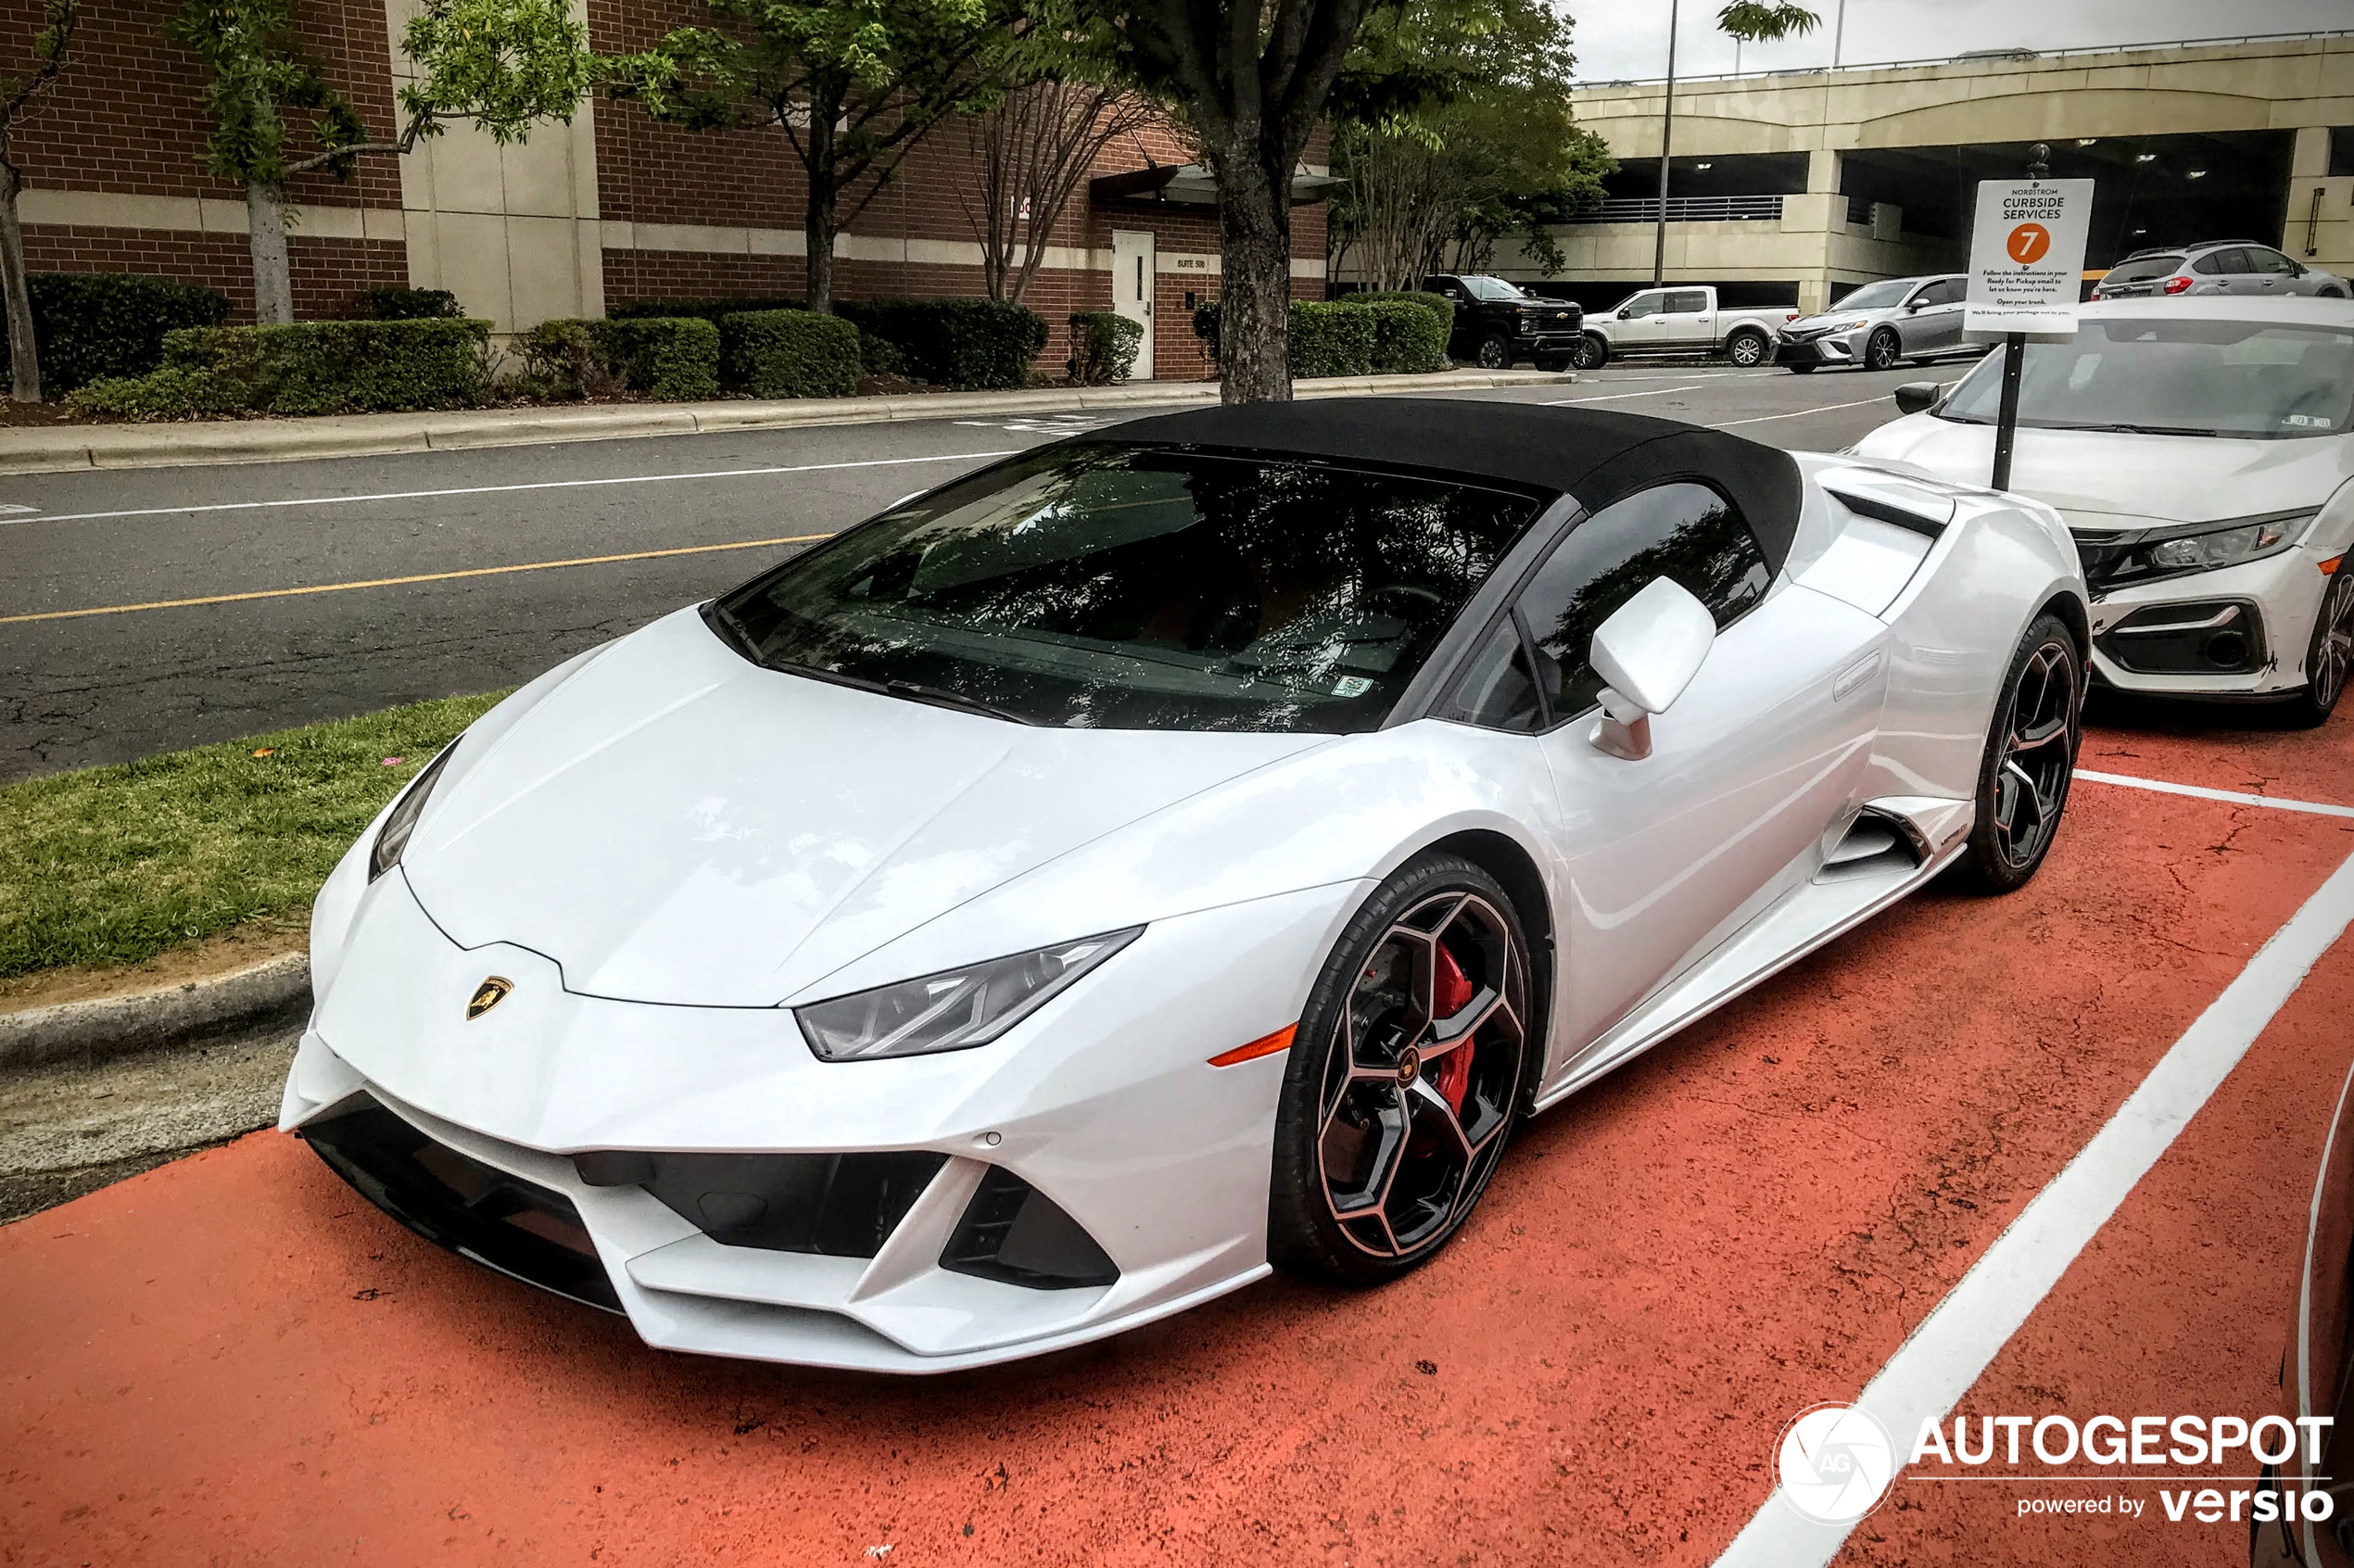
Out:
{"x": 954, "y": 1010}
{"x": 1856, "y": 325}
{"x": 2228, "y": 546}
{"x": 393, "y": 837}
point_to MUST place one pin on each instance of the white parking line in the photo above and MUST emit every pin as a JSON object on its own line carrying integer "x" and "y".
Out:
{"x": 1796, "y": 413}
{"x": 497, "y": 489}
{"x": 1945, "y": 1356}
{"x": 2200, "y": 792}
{"x": 1615, "y": 396}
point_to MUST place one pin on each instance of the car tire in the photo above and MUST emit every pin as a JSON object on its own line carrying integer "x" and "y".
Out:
{"x": 1747, "y": 347}
{"x": 1802, "y": 370}
{"x": 1554, "y": 363}
{"x": 1494, "y": 353}
{"x": 2030, "y": 760}
{"x": 1881, "y": 350}
{"x": 1379, "y": 1159}
{"x": 2329, "y": 656}
{"x": 1593, "y": 353}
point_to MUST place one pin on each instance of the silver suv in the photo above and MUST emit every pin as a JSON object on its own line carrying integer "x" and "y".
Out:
{"x": 1916, "y": 319}
{"x": 2248, "y": 268}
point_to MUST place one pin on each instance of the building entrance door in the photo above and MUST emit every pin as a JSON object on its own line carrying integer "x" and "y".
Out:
{"x": 1131, "y": 290}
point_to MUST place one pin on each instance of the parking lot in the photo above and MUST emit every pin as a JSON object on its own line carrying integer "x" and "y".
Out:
{"x": 235, "y": 1358}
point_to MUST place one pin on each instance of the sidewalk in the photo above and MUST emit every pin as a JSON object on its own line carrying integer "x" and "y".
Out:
{"x": 69, "y": 447}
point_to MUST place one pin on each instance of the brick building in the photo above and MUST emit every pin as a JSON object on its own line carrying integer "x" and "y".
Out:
{"x": 612, "y": 208}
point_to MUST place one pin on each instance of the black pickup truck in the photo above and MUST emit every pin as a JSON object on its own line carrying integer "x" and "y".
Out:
{"x": 1498, "y": 323}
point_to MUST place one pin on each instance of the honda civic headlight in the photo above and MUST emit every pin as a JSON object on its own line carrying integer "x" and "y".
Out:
{"x": 2227, "y": 546}
{"x": 393, "y": 837}
{"x": 954, "y": 1010}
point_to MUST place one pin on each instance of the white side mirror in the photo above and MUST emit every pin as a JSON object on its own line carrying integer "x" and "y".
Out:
{"x": 1648, "y": 653}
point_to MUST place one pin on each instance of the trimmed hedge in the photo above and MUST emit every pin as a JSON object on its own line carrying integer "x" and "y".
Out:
{"x": 410, "y": 305}
{"x": 1408, "y": 338}
{"x": 1103, "y": 347}
{"x": 1331, "y": 337}
{"x": 90, "y": 325}
{"x": 674, "y": 358}
{"x": 789, "y": 354}
{"x": 969, "y": 345}
{"x": 303, "y": 368}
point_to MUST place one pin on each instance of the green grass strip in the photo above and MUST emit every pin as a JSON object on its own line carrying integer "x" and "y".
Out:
{"x": 114, "y": 864}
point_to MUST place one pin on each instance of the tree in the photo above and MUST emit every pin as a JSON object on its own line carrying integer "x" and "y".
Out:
{"x": 853, "y": 86}
{"x": 1746, "y": 21}
{"x": 19, "y": 96}
{"x": 1433, "y": 190}
{"x": 1029, "y": 155}
{"x": 500, "y": 65}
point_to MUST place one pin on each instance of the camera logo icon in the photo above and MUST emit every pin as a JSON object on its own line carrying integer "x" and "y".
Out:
{"x": 1835, "y": 1462}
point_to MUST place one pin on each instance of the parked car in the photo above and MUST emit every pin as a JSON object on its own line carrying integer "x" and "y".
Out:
{"x": 1916, "y": 319}
{"x": 2203, "y": 452}
{"x": 1499, "y": 323}
{"x": 1169, "y": 852}
{"x": 2248, "y": 268}
{"x": 1684, "y": 319}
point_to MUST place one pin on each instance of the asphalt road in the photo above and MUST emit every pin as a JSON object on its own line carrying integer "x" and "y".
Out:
{"x": 347, "y": 585}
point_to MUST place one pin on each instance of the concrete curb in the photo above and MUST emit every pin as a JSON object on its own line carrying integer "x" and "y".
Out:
{"x": 273, "y": 992}
{"x": 79, "y": 448}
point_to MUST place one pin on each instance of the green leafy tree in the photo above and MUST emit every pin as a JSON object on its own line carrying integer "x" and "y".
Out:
{"x": 19, "y": 96}
{"x": 1491, "y": 151}
{"x": 852, "y": 86}
{"x": 500, "y": 65}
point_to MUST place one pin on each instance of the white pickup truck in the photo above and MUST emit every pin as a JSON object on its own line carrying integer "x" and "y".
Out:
{"x": 1684, "y": 319}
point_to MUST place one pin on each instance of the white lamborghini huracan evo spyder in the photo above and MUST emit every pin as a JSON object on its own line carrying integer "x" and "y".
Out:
{"x": 1167, "y": 853}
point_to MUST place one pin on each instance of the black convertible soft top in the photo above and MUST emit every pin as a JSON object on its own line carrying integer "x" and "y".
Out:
{"x": 1592, "y": 454}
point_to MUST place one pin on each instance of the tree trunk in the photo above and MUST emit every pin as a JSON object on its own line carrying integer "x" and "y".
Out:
{"x": 24, "y": 355}
{"x": 823, "y": 217}
{"x": 1254, "y": 304}
{"x": 266, "y": 234}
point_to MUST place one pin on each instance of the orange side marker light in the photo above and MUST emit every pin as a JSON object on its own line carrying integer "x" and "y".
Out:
{"x": 1265, "y": 1046}
{"x": 2329, "y": 567}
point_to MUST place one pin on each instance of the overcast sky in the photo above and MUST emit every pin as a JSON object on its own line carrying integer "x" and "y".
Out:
{"x": 1628, "y": 38}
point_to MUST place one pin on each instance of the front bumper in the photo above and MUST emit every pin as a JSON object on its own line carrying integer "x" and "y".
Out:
{"x": 1546, "y": 345}
{"x": 2239, "y": 632}
{"x": 1103, "y": 1101}
{"x": 1834, "y": 348}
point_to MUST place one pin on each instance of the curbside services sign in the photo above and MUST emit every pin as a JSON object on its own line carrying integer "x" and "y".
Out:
{"x": 2027, "y": 255}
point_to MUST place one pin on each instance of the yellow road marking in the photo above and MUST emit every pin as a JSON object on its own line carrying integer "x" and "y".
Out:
{"x": 397, "y": 582}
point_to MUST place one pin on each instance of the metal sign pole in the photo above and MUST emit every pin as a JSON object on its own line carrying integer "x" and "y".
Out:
{"x": 2006, "y": 419}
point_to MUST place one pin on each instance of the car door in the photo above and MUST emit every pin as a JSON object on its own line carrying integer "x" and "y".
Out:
{"x": 1641, "y": 322}
{"x": 1936, "y": 326}
{"x": 2222, "y": 271}
{"x": 1690, "y": 322}
{"x": 1750, "y": 768}
{"x": 2272, "y": 274}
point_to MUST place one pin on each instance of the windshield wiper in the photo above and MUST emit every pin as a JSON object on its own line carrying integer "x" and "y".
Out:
{"x": 907, "y": 690}
{"x": 717, "y": 612}
{"x": 2141, "y": 429}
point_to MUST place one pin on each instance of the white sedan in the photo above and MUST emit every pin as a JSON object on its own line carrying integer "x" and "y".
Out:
{"x": 1165, "y": 855}
{"x": 2203, "y": 452}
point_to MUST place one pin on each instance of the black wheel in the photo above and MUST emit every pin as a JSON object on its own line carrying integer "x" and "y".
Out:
{"x": 1405, "y": 1079}
{"x": 1747, "y": 347}
{"x": 1495, "y": 352}
{"x": 2329, "y": 294}
{"x": 2030, "y": 758}
{"x": 1881, "y": 350}
{"x": 1592, "y": 353}
{"x": 1802, "y": 370}
{"x": 2330, "y": 654}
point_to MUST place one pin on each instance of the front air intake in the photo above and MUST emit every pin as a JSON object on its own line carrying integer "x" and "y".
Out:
{"x": 836, "y": 1206}
{"x": 1016, "y": 1235}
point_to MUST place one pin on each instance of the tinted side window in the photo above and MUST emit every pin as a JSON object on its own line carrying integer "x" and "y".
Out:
{"x": 2260, "y": 260}
{"x": 1646, "y": 305}
{"x": 1496, "y": 693}
{"x": 1686, "y": 303}
{"x": 2216, "y": 264}
{"x": 1945, "y": 291}
{"x": 1683, "y": 531}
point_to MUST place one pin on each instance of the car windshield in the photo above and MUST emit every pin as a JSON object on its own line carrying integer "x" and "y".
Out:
{"x": 2149, "y": 266}
{"x": 1493, "y": 288}
{"x": 2267, "y": 380}
{"x": 1118, "y": 587}
{"x": 1881, "y": 296}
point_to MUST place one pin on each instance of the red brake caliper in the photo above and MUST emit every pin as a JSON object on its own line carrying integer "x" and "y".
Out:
{"x": 1450, "y": 993}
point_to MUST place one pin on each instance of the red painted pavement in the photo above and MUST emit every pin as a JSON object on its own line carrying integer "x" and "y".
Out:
{"x": 235, "y": 1358}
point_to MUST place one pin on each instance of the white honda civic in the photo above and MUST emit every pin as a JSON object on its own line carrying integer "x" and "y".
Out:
{"x": 1165, "y": 855}
{"x": 2202, "y": 449}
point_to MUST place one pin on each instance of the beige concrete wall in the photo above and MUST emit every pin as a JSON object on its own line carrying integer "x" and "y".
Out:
{"x": 2301, "y": 84}
{"x": 513, "y": 231}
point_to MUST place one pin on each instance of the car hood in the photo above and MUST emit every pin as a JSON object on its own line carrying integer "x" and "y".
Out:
{"x": 672, "y": 824}
{"x": 2110, "y": 477}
